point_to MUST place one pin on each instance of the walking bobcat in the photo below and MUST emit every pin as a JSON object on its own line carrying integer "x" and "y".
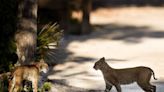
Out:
{"x": 116, "y": 77}
{"x": 26, "y": 72}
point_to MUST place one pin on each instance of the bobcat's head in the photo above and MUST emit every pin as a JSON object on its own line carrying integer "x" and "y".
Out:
{"x": 42, "y": 66}
{"x": 99, "y": 64}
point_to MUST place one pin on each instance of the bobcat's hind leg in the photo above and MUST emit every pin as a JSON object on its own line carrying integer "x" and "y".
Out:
{"x": 146, "y": 87}
{"x": 154, "y": 88}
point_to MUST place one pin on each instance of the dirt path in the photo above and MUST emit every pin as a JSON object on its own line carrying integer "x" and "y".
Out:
{"x": 127, "y": 37}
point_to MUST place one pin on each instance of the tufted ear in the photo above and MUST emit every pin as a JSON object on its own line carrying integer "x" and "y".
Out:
{"x": 103, "y": 58}
{"x": 41, "y": 60}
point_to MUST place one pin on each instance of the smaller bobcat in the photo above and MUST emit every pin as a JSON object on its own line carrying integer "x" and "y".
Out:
{"x": 26, "y": 72}
{"x": 116, "y": 77}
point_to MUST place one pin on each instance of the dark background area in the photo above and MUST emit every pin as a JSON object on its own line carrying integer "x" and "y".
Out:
{"x": 8, "y": 18}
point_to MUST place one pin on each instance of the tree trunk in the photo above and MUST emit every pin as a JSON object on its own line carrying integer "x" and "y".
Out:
{"x": 86, "y": 8}
{"x": 26, "y": 35}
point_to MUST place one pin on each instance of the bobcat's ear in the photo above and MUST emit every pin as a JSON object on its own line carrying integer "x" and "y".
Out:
{"x": 42, "y": 60}
{"x": 103, "y": 58}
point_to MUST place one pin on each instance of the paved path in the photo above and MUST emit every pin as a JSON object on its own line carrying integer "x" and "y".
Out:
{"x": 127, "y": 37}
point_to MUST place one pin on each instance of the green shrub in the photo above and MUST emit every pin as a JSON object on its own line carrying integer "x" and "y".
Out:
{"x": 49, "y": 36}
{"x": 46, "y": 86}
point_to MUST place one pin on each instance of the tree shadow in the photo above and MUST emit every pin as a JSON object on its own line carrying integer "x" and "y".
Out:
{"x": 63, "y": 85}
{"x": 67, "y": 88}
{"x": 83, "y": 59}
{"x": 57, "y": 56}
{"x": 126, "y": 33}
{"x": 125, "y": 3}
{"x": 130, "y": 34}
{"x": 58, "y": 81}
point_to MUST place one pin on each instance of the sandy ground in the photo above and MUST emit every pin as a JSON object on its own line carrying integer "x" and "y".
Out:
{"x": 126, "y": 37}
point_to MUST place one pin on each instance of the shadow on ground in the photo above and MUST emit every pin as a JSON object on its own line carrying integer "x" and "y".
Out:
{"x": 61, "y": 86}
{"x": 122, "y": 3}
{"x": 126, "y": 33}
{"x": 125, "y": 88}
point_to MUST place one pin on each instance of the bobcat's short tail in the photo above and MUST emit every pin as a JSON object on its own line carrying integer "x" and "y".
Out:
{"x": 153, "y": 74}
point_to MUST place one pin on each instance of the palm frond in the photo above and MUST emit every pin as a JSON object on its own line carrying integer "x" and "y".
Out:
{"x": 48, "y": 36}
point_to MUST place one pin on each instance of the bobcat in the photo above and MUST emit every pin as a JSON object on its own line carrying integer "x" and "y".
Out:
{"x": 116, "y": 77}
{"x": 26, "y": 72}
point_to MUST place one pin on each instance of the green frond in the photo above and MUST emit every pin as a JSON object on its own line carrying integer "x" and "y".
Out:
{"x": 50, "y": 33}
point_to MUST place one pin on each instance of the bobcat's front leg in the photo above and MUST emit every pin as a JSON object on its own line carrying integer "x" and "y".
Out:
{"x": 118, "y": 88}
{"x": 108, "y": 86}
{"x": 35, "y": 85}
